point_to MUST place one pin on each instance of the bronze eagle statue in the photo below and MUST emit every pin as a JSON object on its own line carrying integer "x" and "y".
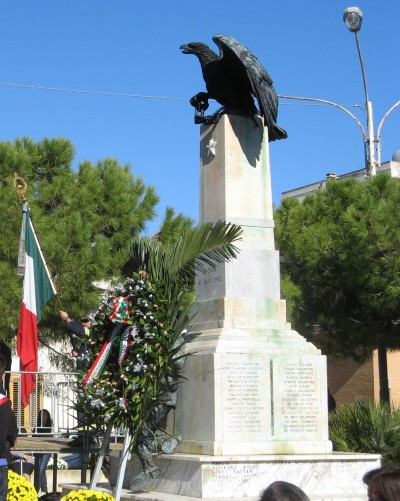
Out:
{"x": 234, "y": 78}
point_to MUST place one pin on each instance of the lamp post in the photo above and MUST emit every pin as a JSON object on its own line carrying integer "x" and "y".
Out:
{"x": 352, "y": 16}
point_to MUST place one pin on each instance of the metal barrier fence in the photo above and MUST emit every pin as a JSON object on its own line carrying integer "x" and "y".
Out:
{"x": 55, "y": 392}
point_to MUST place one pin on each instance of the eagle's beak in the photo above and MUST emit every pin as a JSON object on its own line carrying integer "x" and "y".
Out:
{"x": 185, "y": 49}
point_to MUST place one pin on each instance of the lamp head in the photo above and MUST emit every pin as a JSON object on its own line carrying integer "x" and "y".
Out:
{"x": 352, "y": 16}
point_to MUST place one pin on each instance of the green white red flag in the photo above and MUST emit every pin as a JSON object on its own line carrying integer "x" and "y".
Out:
{"x": 38, "y": 289}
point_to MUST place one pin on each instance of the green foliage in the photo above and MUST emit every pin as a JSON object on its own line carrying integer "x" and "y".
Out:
{"x": 173, "y": 226}
{"x": 340, "y": 251}
{"x": 364, "y": 427}
{"x": 85, "y": 221}
{"x": 292, "y": 294}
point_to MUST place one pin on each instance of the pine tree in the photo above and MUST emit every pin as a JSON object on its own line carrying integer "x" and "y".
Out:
{"x": 85, "y": 220}
{"x": 340, "y": 249}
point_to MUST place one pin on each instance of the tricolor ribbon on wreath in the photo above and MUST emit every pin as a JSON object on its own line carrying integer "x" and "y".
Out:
{"x": 119, "y": 315}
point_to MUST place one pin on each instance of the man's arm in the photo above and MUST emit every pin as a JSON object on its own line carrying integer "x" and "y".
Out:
{"x": 73, "y": 326}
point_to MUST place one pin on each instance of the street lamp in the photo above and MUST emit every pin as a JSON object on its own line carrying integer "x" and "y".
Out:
{"x": 352, "y": 16}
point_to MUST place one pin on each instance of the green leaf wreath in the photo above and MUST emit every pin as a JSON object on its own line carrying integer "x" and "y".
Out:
{"x": 142, "y": 321}
{"x": 127, "y": 391}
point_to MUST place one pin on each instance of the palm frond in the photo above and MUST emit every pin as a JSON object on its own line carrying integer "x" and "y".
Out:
{"x": 197, "y": 248}
{"x": 204, "y": 247}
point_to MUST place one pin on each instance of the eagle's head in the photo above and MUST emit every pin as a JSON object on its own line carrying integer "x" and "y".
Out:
{"x": 201, "y": 50}
{"x": 194, "y": 48}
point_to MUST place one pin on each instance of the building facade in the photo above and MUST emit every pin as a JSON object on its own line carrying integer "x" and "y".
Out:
{"x": 393, "y": 167}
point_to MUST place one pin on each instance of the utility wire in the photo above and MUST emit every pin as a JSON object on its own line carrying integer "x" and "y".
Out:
{"x": 317, "y": 104}
{"x": 136, "y": 96}
{"x": 95, "y": 92}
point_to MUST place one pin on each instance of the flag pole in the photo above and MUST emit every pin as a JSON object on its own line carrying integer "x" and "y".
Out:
{"x": 38, "y": 289}
{"x": 21, "y": 188}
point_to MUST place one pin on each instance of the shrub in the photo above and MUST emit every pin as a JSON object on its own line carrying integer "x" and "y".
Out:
{"x": 364, "y": 427}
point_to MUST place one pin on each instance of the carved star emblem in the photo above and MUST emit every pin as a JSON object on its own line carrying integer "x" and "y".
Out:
{"x": 211, "y": 147}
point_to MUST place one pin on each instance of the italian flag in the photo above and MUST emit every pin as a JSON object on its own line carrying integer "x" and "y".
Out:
{"x": 38, "y": 289}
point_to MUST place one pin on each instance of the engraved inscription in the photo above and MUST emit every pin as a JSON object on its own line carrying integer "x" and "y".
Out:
{"x": 211, "y": 283}
{"x": 208, "y": 277}
{"x": 300, "y": 407}
{"x": 244, "y": 408}
{"x": 234, "y": 475}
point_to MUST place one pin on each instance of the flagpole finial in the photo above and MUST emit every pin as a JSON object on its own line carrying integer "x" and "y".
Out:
{"x": 20, "y": 186}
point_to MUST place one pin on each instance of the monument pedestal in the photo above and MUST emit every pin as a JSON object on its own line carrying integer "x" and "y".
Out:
{"x": 254, "y": 407}
{"x": 190, "y": 477}
{"x": 254, "y": 403}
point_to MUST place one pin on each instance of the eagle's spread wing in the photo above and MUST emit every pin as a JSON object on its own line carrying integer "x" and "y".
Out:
{"x": 236, "y": 55}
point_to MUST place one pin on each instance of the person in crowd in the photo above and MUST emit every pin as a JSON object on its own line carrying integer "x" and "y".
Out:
{"x": 44, "y": 426}
{"x": 283, "y": 491}
{"x": 8, "y": 432}
{"x": 383, "y": 483}
{"x": 6, "y": 351}
{"x": 78, "y": 330}
{"x": 22, "y": 464}
{"x": 83, "y": 362}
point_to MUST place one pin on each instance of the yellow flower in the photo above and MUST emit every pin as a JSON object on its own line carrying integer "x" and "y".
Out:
{"x": 85, "y": 495}
{"x": 20, "y": 489}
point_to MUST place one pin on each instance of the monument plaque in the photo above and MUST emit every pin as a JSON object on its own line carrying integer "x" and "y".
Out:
{"x": 245, "y": 409}
{"x": 298, "y": 389}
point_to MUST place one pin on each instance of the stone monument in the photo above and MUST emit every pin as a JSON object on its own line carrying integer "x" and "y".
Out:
{"x": 254, "y": 407}
{"x": 258, "y": 386}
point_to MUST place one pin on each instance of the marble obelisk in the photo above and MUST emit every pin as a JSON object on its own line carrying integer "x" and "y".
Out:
{"x": 254, "y": 385}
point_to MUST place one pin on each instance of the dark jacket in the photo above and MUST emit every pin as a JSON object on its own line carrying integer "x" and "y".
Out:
{"x": 82, "y": 361}
{"x": 5, "y": 350}
{"x": 8, "y": 428}
{"x": 76, "y": 328}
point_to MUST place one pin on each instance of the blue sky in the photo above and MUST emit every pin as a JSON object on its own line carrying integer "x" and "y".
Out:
{"x": 132, "y": 47}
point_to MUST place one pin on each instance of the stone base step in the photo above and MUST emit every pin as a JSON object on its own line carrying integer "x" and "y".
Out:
{"x": 127, "y": 495}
